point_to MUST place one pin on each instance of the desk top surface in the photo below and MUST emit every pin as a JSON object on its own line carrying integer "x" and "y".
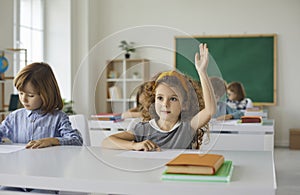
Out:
{"x": 232, "y": 125}
{"x": 94, "y": 169}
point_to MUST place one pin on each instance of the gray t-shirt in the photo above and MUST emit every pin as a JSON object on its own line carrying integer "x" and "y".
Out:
{"x": 180, "y": 137}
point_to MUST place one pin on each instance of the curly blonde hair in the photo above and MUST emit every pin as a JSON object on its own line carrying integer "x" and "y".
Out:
{"x": 191, "y": 92}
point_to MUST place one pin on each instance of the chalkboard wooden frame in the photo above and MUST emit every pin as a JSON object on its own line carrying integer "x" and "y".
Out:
{"x": 249, "y": 59}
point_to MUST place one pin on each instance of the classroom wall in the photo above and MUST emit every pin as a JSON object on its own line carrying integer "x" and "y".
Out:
{"x": 116, "y": 19}
{"x": 97, "y": 26}
{"x": 6, "y": 41}
{"x": 58, "y": 42}
{"x": 6, "y": 30}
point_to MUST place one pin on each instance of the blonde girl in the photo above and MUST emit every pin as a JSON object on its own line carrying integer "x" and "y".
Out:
{"x": 174, "y": 109}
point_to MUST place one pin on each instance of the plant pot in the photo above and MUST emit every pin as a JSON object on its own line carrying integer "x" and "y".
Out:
{"x": 127, "y": 55}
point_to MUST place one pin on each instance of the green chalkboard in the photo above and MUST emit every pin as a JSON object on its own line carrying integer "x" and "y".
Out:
{"x": 249, "y": 59}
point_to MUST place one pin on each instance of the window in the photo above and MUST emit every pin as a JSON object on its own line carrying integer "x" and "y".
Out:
{"x": 29, "y": 29}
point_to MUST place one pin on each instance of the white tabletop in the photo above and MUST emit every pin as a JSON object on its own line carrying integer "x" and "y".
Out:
{"x": 94, "y": 169}
{"x": 267, "y": 127}
{"x": 113, "y": 126}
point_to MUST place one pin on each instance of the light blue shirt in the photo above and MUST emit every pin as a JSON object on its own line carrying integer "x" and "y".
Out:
{"x": 223, "y": 109}
{"x": 22, "y": 126}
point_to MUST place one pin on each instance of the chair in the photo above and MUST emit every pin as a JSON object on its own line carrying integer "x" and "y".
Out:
{"x": 249, "y": 103}
{"x": 79, "y": 122}
{"x": 14, "y": 102}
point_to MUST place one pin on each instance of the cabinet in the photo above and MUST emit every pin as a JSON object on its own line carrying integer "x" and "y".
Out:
{"x": 123, "y": 77}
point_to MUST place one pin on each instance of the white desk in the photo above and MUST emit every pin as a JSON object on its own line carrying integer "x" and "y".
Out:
{"x": 229, "y": 135}
{"x": 109, "y": 125}
{"x": 224, "y": 135}
{"x": 101, "y": 129}
{"x": 73, "y": 168}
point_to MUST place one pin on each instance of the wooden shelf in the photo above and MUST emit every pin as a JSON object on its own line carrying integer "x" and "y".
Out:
{"x": 11, "y": 54}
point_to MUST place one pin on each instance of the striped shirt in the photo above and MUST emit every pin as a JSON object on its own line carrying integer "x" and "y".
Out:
{"x": 22, "y": 126}
{"x": 238, "y": 105}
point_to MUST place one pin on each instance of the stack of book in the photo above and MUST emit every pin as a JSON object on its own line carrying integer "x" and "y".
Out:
{"x": 116, "y": 117}
{"x": 198, "y": 167}
{"x": 256, "y": 111}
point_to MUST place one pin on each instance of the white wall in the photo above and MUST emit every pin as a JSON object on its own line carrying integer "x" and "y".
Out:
{"x": 97, "y": 26}
{"x": 6, "y": 30}
{"x": 58, "y": 42}
{"x": 115, "y": 20}
{"x": 6, "y": 41}
{"x": 79, "y": 50}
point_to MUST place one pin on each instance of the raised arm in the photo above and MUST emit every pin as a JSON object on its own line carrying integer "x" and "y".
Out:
{"x": 201, "y": 64}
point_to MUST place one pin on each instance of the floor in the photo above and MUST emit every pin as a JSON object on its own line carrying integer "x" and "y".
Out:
{"x": 287, "y": 166}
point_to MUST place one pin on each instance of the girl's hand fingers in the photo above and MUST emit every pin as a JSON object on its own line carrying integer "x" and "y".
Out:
{"x": 201, "y": 59}
{"x": 36, "y": 144}
{"x": 150, "y": 146}
{"x": 30, "y": 144}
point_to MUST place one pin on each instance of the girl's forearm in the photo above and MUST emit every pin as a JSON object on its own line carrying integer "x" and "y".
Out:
{"x": 113, "y": 142}
{"x": 208, "y": 93}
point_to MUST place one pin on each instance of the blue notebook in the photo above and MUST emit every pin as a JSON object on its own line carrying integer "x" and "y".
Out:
{"x": 224, "y": 174}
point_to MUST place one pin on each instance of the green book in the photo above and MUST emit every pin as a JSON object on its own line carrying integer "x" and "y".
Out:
{"x": 223, "y": 175}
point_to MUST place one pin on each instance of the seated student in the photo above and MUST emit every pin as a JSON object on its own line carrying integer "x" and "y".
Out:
{"x": 41, "y": 123}
{"x": 237, "y": 97}
{"x": 136, "y": 111}
{"x": 175, "y": 112}
{"x": 224, "y": 112}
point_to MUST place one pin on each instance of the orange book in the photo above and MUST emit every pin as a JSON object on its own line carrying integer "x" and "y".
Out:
{"x": 206, "y": 164}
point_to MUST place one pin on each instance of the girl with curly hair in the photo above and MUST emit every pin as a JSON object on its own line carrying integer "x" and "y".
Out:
{"x": 174, "y": 110}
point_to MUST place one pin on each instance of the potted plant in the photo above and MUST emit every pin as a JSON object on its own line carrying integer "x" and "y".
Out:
{"x": 135, "y": 75}
{"x": 127, "y": 47}
{"x": 68, "y": 107}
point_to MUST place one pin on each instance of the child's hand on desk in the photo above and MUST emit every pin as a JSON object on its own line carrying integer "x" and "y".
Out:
{"x": 42, "y": 143}
{"x": 146, "y": 145}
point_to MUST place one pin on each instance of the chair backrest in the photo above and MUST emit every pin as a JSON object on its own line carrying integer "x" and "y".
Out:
{"x": 249, "y": 103}
{"x": 79, "y": 122}
{"x": 14, "y": 102}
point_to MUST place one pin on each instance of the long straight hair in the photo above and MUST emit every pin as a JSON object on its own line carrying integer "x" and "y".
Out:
{"x": 41, "y": 77}
{"x": 238, "y": 89}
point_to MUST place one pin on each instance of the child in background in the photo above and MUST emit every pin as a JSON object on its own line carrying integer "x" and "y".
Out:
{"x": 41, "y": 123}
{"x": 224, "y": 112}
{"x": 136, "y": 111}
{"x": 175, "y": 112}
{"x": 237, "y": 97}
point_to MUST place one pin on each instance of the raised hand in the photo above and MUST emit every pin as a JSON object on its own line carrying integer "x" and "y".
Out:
{"x": 201, "y": 60}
